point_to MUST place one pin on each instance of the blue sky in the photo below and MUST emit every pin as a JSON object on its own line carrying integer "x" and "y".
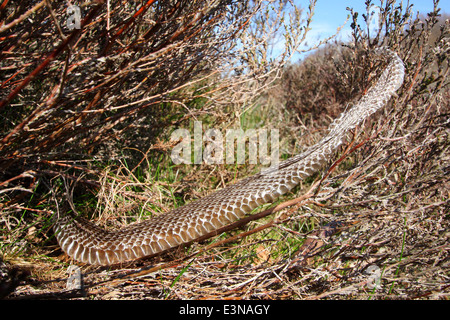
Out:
{"x": 330, "y": 14}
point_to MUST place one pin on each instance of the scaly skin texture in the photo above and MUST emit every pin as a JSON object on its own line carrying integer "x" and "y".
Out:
{"x": 87, "y": 243}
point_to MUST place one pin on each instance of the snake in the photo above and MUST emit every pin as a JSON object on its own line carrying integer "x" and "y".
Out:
{"x": 85, "y": 242}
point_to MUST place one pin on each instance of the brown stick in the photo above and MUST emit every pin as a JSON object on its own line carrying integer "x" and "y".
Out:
{"x": 47, "y": 60}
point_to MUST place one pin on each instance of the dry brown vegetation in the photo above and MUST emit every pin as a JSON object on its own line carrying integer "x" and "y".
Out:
{"x": 94, "y": 124}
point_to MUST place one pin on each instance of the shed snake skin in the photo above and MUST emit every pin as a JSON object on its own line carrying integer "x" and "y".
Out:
{"x": 88, "y": 243}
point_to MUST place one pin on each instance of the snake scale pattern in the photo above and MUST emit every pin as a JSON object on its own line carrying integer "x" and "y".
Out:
{"x": 85, "y": 242}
